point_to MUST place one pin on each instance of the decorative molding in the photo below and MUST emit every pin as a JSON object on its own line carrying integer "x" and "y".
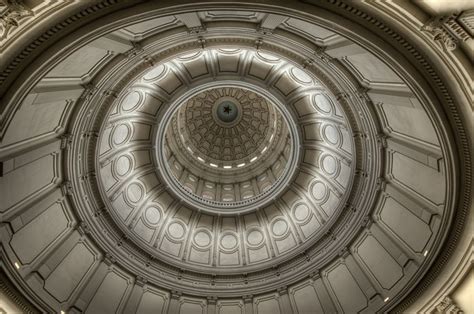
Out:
{"x": 450, "y": 30}
{"x": 13, "y": 295}
{"x": 12, "y": 13}
{"x": 466, "y": 20}
{"x": 448, "y": 306}
{"x": 435, "y": 28}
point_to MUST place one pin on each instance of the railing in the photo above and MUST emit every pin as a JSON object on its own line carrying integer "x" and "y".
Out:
{"x": 234, "y": 204}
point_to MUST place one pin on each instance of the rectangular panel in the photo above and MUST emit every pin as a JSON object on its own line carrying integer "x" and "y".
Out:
{"x": 143, "y": 29}
{"x": 427, "y": 182}
{"x": 347, "y": 292}
{"x": 379, "y": 262}
{"x": 304, "y": 299}
{"x": 152, "y": 302}
{"x": 285, "y": 244}
{"x": 267, "y": 305}
{"x": 260, "y": 69}
{"x": 286, "y": 84}
{"x": 112, "y": 42}
{"x": 34, "y": 119}
{"x": 110, "y": 294}
{"x": 143, "y": 230}
{"x": 256, "y": 255}
{"x": 170, "y": 247}
{"x": 312, "y": 132}
{"x": 230, "y": 307}
{"x": 80, "y": 63}
{"x": 31, "y": 177}
{"x": 66, "y": 277}
{"x": 407, "y": 226}
{"x": 229, "y": 259}
{"x": 201, "y": 256}
{"x": 196, "y": 67}
{"x": 311, "y": 30}
{"x": 372, "y": 68}
{"x": 410, "y": 122}
{"x": 38, "y": 234}
{"x": 228, "y": 63}
{"x": 304, "y": 106}
{"x": 310, "y": 227}
{"x": 192, "y": 306}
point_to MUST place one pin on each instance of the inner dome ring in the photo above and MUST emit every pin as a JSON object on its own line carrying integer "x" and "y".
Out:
{"x": 219, "y": 207}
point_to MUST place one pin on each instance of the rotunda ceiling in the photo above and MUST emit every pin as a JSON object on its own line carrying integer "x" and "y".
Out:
{"x": 245, "y": 166}
{"x": 272, "y": 156}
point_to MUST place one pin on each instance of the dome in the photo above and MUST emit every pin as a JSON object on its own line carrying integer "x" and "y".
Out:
{"x": 223, "y": 157}
{"x": 234, "y": 169}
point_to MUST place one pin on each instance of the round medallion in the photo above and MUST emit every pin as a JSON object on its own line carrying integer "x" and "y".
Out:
{"x": 228, "y": 241}
{"x": 279, "y": 228}
{"x": 301, "y": 212}
{"x": 123, "y": 165}
{"x": 176, "y": 230}
{"x": 227, "y": 111}
{"x": 152, "y": 215}
{"x": 318, "y": 191}
{"x": 322, "y": 103}
{"x": 131, "y": 101}
{"x": 255, "y": 237}
{"x": 202, "y": 238}
{"x": 121, "y": 133}
{"x": 331, "y": 134}
{"x": 134, "y": 192}
{"x": 329, "y": 164}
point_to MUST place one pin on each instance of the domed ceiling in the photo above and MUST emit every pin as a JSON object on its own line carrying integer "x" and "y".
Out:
{"x": 251, "y": 161}
{"x": 227, "y": 125}
{"x": 225, "y": 166}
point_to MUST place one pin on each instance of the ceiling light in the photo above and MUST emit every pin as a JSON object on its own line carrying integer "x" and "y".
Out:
{"x": 213, "y": 165}
{"x": 264, "y": 149}
{"x": 386, "y": 299}
{"x": 426, "y": 253}
{"x": 227, "y": 167}
{"x": 17, "y": 265}
{"x": 253, "y": 159}
{"x": 241, "y": 165}
{"x": 200, "y": 159}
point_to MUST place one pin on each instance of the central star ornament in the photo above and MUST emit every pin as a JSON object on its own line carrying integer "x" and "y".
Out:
{"x": 227, "y": 109}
